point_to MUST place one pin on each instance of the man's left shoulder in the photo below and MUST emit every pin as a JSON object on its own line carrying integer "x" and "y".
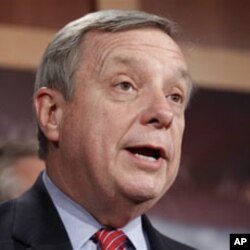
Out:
{"x": 159, "y": 241}
{"x": 173, "y": 244}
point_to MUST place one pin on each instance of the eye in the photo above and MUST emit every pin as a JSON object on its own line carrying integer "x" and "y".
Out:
{"x": 176, "y": 98}
{"x": 125, "y": 86}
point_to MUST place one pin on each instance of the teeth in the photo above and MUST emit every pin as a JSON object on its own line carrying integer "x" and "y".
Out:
{"x": 148, "y": 158}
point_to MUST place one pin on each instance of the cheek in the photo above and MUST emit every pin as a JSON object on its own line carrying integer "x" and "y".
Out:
{"x": 177, "y": 136}
{"x": 96, "y": 134}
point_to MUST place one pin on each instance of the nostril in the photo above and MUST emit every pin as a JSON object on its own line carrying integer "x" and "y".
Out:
{"x": 154, "y": 120}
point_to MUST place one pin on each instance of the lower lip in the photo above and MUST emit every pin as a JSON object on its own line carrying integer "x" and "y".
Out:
{"x": 146, "y": 164}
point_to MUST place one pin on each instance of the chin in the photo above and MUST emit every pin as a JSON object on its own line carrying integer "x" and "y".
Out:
{"x": 145, "y": 195}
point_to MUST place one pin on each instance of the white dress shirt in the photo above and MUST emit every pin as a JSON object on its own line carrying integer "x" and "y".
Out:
{"x": 81, "y": 225}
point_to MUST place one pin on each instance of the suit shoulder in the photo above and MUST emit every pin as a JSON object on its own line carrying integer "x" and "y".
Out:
{"x": 6, "y": 218}
{"x": 173, "y": 244}
{"x": 159, "y": 241}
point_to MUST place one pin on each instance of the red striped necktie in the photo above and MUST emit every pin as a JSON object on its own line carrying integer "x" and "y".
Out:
{"x": 110, "y": 239}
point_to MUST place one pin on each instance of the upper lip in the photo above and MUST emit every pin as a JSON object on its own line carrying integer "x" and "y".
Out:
{"x": 161, "y": 150}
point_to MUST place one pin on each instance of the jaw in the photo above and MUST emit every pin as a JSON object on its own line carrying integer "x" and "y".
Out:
{"x": 118, "y": 214}
{"x": 126, "y": 206}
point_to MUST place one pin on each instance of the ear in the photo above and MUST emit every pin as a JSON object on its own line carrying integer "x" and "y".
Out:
{"x": 49, "y": 107}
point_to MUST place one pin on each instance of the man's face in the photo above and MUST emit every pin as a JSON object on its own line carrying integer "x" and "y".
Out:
{"x": 122, "y": 131}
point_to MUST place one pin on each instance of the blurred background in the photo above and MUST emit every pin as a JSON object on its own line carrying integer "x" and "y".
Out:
{"x": 211, "y": 196}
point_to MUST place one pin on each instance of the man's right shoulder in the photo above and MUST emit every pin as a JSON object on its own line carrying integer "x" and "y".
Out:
{"x": 7, "y": 210}
{"x": 7, "y": 214}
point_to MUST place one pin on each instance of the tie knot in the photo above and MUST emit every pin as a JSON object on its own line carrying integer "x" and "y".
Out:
{"x": 110, "y": 239}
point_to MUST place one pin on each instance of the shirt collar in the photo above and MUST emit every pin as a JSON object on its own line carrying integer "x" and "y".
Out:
{"x": 81, "y": 225}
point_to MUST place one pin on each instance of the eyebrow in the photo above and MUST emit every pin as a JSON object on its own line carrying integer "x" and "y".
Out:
{"x": 131, "y": 61}
{"x": 126, "y": 60}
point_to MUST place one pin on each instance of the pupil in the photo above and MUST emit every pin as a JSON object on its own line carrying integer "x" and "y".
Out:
{"x": 125, "y": 86}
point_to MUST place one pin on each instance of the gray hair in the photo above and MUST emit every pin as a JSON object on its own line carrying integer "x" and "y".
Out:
{"x": 61, "y": 57}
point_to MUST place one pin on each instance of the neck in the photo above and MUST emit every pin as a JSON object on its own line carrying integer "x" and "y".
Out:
{"x": 117, "y": 213}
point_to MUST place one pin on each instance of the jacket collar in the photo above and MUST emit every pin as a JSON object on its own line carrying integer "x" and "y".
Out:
{"x": 154, "y": 237}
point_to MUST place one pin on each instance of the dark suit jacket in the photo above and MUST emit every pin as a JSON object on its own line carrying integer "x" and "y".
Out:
{"x": 31, "y": 222}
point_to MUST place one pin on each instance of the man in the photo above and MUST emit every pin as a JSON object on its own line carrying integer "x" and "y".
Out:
{"x": 19, "y": 168}
{"x": 110, "y": 98}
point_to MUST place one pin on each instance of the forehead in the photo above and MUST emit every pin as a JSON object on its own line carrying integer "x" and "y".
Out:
{"x": 101, "y": 46}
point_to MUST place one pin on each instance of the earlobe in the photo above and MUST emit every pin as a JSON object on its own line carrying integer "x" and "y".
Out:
{"x": 49, "y": 106}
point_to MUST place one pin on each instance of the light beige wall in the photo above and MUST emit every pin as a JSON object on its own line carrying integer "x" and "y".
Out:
{"x": 22, "y": 47}
{"x": 117, "y": 4}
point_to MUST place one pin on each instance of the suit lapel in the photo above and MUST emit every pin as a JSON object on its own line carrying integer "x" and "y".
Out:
{"x": 37, "y": 223}
{"x": 159, "y": 241}
{"x": 154, "y": 238}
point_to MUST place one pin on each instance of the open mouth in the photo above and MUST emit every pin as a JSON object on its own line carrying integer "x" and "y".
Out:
{"x": 146, "y": 153}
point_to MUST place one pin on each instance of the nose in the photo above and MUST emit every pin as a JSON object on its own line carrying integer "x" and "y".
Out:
{"x": 158, "y": 114}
